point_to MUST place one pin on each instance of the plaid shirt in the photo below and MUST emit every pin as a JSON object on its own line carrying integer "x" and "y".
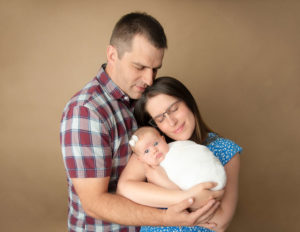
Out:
{"x": 95, "y": 129}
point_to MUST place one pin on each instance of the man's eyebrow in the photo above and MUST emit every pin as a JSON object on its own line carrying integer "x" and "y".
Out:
{"x": 136, "y": 63}
{"x": 145, "y": 66}
{"x": 158, "y": 67}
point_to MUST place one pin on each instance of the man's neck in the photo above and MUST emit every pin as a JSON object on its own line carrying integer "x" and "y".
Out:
{"x": 109, "y": 70}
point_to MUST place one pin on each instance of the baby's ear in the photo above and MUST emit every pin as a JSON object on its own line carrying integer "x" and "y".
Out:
{"x": 136, "y": 156}
{"x": 163, "y": 137}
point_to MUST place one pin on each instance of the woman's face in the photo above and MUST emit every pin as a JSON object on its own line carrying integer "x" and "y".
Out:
{"x": 171, "y": 116}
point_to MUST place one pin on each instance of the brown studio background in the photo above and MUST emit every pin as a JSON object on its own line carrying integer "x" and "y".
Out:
{"x": 239, "y": 58}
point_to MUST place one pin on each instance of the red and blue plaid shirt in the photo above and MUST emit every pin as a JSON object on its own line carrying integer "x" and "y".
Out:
{"x": 96, "y": 126}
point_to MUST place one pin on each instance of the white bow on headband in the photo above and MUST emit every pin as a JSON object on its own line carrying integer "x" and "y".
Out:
{"x": 133, "y": 140}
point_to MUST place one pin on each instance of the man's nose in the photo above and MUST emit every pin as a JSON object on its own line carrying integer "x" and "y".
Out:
{"x": 148, "y": 77}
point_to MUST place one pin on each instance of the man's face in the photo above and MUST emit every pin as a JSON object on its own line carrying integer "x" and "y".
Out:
{"x": 137, "y": 68}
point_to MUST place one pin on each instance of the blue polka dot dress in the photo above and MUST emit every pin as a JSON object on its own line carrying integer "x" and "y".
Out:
{"x": 222, "y": 148}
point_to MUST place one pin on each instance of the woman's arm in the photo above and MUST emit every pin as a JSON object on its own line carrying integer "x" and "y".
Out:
{"x": 133, "y": 186}
{"x": 228, "y": 204}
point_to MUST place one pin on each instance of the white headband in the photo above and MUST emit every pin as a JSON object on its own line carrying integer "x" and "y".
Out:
{"x": 133, "y": 140}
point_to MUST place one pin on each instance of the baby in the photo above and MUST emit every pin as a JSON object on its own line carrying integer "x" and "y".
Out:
{"x": 186, "y": 163}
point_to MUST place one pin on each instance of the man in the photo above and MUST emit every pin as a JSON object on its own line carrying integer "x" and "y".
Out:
{"x": 97, "y": 124}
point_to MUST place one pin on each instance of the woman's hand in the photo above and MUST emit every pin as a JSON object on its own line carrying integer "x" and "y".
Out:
{"x": 202, "y": 194}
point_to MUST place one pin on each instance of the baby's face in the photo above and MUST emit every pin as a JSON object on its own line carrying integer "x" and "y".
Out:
{"x": 152, "y": 149}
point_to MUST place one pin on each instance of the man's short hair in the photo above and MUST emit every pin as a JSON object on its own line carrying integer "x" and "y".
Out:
{"x": 137, "y": 23}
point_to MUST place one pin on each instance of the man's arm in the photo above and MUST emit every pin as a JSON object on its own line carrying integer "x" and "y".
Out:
{"x": 100, "y": 204}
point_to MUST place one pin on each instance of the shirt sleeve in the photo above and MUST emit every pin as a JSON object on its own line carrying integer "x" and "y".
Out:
{"x": 224, "y": 149}
{"x": 85, "y": 143}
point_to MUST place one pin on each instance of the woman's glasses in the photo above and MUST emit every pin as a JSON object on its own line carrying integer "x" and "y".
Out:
{"x": 161, "y": 117}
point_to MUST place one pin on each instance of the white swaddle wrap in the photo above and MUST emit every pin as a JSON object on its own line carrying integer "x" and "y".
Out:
{"x": 188, "y": 163}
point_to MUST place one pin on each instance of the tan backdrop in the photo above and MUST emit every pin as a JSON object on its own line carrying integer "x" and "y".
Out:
{"x": 239, "y": 58}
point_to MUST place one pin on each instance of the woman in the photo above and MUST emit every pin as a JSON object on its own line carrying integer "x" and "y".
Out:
{"x": 169, "y": 106}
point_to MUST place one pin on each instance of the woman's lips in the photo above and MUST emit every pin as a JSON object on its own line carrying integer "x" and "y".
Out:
{"x": 179, "y": 129}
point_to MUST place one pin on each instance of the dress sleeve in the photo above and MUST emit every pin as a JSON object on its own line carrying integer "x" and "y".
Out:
{"x": 85, "y": 144}
{"x": 224, "y": 149}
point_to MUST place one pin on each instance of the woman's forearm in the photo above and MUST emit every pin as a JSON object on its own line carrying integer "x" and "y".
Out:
{"x": 223, "y": 217}
{"x": 228, "y": 204}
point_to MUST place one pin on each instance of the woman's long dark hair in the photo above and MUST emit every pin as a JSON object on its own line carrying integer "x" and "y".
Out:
{"x": 172, "y": 87}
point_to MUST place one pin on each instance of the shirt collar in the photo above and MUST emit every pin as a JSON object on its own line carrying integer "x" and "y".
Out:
{"x": 110, "y": 87}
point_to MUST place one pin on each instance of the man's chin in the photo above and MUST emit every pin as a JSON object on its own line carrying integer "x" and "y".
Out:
{"x": 136, "y": 96}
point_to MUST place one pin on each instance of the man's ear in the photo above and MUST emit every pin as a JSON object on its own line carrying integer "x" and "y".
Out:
{"x": 111, "y": 54}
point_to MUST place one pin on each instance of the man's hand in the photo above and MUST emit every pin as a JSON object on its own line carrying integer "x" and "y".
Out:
{"x": 179, "y": 215}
